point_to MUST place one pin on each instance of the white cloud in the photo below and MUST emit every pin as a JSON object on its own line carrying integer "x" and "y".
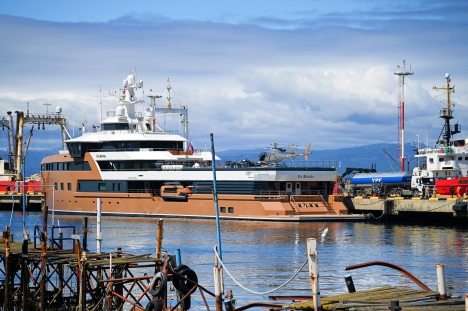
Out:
{"x": 333, "y": 86}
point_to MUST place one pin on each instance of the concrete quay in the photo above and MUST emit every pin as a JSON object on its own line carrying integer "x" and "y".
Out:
{"x": 33, "y": 201}
{"x": 399, "y": 206}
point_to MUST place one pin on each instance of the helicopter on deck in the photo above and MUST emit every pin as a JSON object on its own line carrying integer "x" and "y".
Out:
{"x": 277, "y": 154}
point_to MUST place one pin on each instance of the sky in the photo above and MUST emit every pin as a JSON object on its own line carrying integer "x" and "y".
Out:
{"x": 250, "y": 72}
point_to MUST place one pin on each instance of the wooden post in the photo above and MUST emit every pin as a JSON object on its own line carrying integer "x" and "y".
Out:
{"x": 6, "y": 235}
{"x": 24, "y": 274}
{"x": 83, "y": 281}
{"x": 218, "y": 280}
{"x": 314, "y": 272}
{"x": 159, "y": 239}
{"x": 43, "y": 258}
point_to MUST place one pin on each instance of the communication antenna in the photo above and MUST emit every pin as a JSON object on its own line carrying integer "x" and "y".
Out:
{"x": 100, "y": 95}
{"x": 402, "y": 73}
{"x": 47, "y": 109}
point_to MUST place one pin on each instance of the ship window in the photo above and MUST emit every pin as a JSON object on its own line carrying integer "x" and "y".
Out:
{"x": 102, "y": 186}
{"x": 231, "y": 210}
{"x": 56, "y": 186}
{"x": 69, "y": 186}
{"x": 441, "y": 159}
{"x": 460, "y": 158}
{"x": 431, "y": 160}
{"x": 62, "y": 187}
{"x": 223, "y": 209}
{"x": 466, "y": 158}
{"x": 113, "y": 186}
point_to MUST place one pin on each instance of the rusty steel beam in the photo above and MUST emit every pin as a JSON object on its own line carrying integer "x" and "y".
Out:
{"x": 270, "y": 306}
{"x": 393, "y": 266}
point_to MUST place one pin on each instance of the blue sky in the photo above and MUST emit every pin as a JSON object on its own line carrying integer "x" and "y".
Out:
{"x": 251, "y": 72}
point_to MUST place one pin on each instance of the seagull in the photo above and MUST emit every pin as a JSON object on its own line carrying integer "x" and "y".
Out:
{"x": 324, "y": 233}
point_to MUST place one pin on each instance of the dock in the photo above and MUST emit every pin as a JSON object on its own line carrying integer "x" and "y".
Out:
{"x": 441, "y": 207}
{"x": 383, "y": 298}
{"x": 9, "y": 200}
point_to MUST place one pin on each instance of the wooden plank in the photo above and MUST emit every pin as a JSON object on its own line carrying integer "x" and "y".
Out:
{"x": 380, "y": 298}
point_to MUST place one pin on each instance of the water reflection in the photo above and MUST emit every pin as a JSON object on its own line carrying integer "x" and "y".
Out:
{"x": 262, "y": 255}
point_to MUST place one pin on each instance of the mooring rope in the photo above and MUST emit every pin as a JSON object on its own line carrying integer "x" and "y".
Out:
{"x": 254, "y": 292}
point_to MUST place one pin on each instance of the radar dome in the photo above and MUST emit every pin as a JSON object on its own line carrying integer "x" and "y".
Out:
{"x": 149, "y": 112}
{"x": 120, "y": 111}
{"x": 58, "y": 109}
{"x": 131, "y": 80}
{"x": 447, "y": 75}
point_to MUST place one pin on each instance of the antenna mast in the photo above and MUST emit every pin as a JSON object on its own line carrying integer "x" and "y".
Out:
{"x": 446, "y": 113}
{"x": 100, "y": 96}
{"x": 402, "y": 73}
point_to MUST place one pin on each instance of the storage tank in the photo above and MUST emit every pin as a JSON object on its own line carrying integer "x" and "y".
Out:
{"x": 381, "y": 178}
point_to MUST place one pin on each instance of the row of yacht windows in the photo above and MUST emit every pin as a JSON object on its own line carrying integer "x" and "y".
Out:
{"x": 77, "y": 150}
{"x": 145, "y": 165}
{"x": 66, "y": 166}
{"x": 91, "y": 186}
{"x": 431, "y": 160}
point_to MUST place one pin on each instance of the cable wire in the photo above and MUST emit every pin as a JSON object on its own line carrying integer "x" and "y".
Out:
{"x": 254, "y": 292}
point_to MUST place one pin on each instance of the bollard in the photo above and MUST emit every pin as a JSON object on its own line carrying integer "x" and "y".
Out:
{"x": 349, "y": 283}
{"x": 441, "y": 281}
{"x": 395, "y": 305}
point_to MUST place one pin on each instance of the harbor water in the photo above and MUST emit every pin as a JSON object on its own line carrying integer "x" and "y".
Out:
{"x": 263, "y": 255}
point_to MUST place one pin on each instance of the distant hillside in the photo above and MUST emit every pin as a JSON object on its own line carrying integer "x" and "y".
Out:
{"x": 358, "y": 157}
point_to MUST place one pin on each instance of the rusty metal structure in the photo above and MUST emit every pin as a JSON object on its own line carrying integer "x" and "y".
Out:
{"x": 56, "y": 272}
{"x": 16, "y": 133}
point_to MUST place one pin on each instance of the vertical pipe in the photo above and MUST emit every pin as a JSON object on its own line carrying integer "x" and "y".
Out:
{"x": 60, "y": 269}
{"x": 98, "y": 226}
{"x": 178, "y": 263}
{"x": 19, "y": 143}
{"x": 24, "y": 195}
{"x": 85, "y": 234}
{"x": 6, "y": 235}
{"x": 178, "y": 257}
{"x": 441, "y": 281}
{"x": 466, "y": 302}
{"x": 215, "y": 196}
{"x": 11, "y": 144}
{"x": 314, "y": 272}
